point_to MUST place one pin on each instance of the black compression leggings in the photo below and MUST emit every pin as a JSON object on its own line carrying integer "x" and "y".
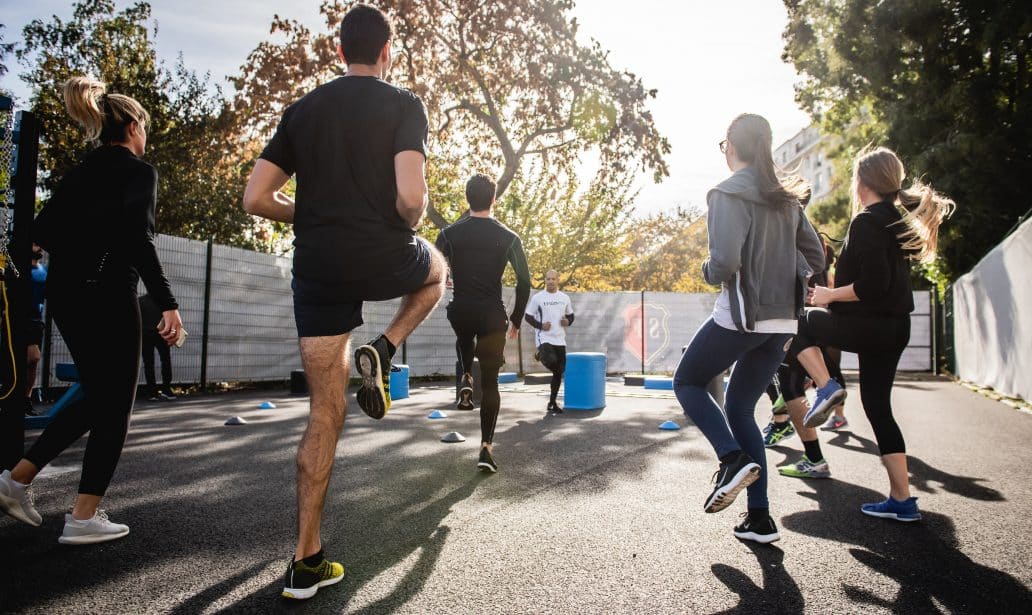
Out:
{"x": 480, "y": 332}
{"x": 554, "y": 358}
{"x": 102, "y": 330}
{"x": 879, "y": 343}
{"x": 151, "y": 342}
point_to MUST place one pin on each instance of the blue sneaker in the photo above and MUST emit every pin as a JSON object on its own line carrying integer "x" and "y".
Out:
{"x": 893, "y": 509}
{"x": 828, "y": 396}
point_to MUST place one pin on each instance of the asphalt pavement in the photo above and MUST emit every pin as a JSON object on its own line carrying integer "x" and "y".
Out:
{"x": 591, "y": 512}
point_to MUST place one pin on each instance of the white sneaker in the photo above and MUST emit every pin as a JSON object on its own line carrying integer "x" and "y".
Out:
{"x": 16, "y": 500}
{"x": 93, "y": 530}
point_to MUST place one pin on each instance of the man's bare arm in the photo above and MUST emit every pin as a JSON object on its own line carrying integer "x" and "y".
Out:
{"x": 263, "y": 198}
{"x": 410, "y": 174}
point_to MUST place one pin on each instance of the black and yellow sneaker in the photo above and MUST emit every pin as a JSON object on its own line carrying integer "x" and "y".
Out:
{"x": 373, "y": 362}
{"x": 304, "y": 579}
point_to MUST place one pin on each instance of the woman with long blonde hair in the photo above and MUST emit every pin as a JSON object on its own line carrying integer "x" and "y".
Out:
{"x": 869, "y": 308}
{"x": 99, "y": 230}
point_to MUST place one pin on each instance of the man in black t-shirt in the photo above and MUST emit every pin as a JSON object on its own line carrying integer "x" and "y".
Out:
{"x": 357, "y": 147}
{"x": 477, "y": 248}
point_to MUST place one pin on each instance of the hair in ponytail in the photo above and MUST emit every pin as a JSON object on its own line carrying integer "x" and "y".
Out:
{"x": 881, "y": 171}
{"x": 751, "y": 136}
{"x": 103, "y": 116}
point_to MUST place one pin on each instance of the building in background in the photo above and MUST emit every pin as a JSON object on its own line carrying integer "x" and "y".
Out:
{"x": 804, "y": 155}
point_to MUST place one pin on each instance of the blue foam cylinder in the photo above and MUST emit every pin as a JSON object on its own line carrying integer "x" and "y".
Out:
{"x": 659, "y": 382}
{"x": 399, "y": 382}
{"x": 585, "y": 381}
{"x": 507, "y": 377}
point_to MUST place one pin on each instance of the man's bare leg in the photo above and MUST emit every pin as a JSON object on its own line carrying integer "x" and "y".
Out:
{"x": 417, "y": 306}
{"x": 325, "y": 360}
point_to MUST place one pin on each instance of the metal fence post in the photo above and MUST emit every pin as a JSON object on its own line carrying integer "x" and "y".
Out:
{"x": 642, "y": 321}
{"x": 207, "y": 311}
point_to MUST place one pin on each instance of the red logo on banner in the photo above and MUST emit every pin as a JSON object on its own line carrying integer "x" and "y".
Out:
{"x": 656, "y": 332}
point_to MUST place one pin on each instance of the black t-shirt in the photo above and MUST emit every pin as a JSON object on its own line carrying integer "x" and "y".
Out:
{"x": 340, "y": 141}
{"x": 477, "y": 250}
{"x": 873, "y": 261}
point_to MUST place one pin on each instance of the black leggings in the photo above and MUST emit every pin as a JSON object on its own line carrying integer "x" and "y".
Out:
{"x": 793, "y": 376}
{"x": 879, "y": 343}
{"x": 102, "y": 330}
{"x": 554, "y": 358}
{"x": 480, "y": 333}
{"x": 151, "y": 342}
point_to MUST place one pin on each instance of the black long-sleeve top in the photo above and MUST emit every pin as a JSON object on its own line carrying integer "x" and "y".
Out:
{"x": 478, "y": 250}
{"x": 874, "y": 262}
{"x": 99, "y": 226}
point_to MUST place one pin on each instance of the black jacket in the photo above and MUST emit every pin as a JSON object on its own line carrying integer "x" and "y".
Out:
{"x": 99, "y": 226}
{"x": 874, "y": 262}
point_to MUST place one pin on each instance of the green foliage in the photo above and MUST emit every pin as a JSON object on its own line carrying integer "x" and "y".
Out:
{"x": 201, "y": 167}
{"x": 572, "y": 229}
{"x": 945, "y": 83}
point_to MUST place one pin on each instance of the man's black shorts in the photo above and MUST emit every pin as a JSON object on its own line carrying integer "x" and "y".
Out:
{"x": 321, "y": 312}
{"x": 553, "y": 357}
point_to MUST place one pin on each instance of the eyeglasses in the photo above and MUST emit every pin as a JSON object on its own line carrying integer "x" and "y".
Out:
{"x": 723, "y": 146}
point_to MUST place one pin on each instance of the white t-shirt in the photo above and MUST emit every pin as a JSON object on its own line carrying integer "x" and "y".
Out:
{"x": 550, "y": 307}
{"x": 722, "y": 316}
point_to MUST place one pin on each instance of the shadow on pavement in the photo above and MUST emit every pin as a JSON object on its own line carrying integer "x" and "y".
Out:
{"x": 923, "y": 557}
{"x": 779, "y": 592}
{"x": 923, "y": 475}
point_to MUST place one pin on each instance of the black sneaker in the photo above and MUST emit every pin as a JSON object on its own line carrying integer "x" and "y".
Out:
{"x": 30, "y": 410}
{"x": 466, "y": 394}
{"x": 303, "y": 581}
{"x": 731, "y": 478}
{"x": 758, "y": 530}
{"x": 554, "y": 408}
{"x": 486, "y": 463}
{"x": 166, "y": 395}
{"x": 373, "y": 363}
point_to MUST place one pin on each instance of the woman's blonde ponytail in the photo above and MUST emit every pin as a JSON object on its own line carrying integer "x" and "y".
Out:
{"x": 82, "y": 97}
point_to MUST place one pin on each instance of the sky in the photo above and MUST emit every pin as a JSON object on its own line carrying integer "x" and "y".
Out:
{"x": 709, "y": 60}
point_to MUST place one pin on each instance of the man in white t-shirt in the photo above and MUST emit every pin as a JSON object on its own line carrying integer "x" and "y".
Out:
{"x": 550, "y": 312}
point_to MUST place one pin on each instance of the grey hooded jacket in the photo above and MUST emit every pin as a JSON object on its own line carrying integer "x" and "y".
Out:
{"x": 759, "y": 253}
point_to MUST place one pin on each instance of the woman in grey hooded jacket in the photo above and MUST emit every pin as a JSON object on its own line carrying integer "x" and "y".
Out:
{"x": 761, "y": 250}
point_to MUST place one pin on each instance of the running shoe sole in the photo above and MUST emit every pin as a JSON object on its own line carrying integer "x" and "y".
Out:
{"x": 888, "y": 515}
{"x": 724, "y": 497}
{"x": 765, "y": 539}
{"x": 304, "y": 593}
{"x": 13, "y": 507}
{"x": 793, "y": 473}
{"x": 91, "y": 539}
{"x": 486, "y": 467}
{"x": 372, "y": 397}
{"x": 819, "y": 413}
{"x": 465, "y": 399}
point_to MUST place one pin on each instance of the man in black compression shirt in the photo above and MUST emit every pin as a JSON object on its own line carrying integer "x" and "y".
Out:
{"x": 357, "y": 148}
{"x": 477, "y": 248}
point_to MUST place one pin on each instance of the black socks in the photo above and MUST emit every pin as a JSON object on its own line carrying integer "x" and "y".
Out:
{"x": 390, "y": 347}
{"x": 314, "y": 560}
{"x": 759, "y": 514}
{"x": 813, "y": 450}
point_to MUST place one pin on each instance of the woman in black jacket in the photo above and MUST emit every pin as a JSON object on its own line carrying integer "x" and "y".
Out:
{"x": 99, "y": 229}
{"x": 870, "y": 305}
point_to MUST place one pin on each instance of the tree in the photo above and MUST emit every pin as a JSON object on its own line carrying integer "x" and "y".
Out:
{"x": 201, "y": 168}
{"x": 506, "y": 83}
{"x": 665, "y": 252}
{"x": 946, "y": 83}
{"x": 577, "y": 231}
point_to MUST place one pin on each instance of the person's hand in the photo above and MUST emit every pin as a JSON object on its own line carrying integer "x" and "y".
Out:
{"x": 564, "y": 322}
{"x": 513, "y": 332}
{"x": 171, "y": 324}
{"x": 821, "y": 296}
{"x": 546, "y": 326}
